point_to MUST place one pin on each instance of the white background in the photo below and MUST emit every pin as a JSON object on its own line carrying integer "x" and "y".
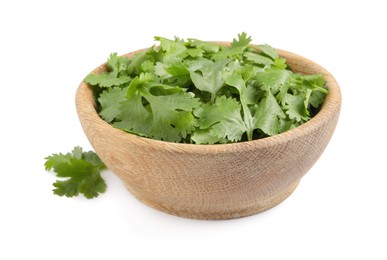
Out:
{"x": 47, "y": 47}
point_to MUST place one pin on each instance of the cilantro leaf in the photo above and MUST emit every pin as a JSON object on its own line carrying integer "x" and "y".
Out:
{"x": 274, "y": 79}
{"x": 280, "y": 63}
{"x": 138, "y": 81}
{"x": 83, "y": 176}
{"x": 93, "y": 158}
{"x": 243, "y": 40}
{"x": 205, "y": 136}
{"x": 223, "y": 119}
{"x": 258, "y": 58}
{"x": 211, "y": 75}
{"x": 117, "y": 64}
{"x": 136, "y": 62}
{"x": 56, "y": 159}
{"x": 116, "y": 75}
{"x": 110, "y": 103}
{"x": 165, "y": 71}
{"x": 235, "y": 51}
{"x": 173, "y": 50}
{"x": 267, "y": 115}
{"x": 77, "y": 152}
{"x": 316, "y": 98}
{"x": 314, "y": 82}
{"x": 106, "y": 80}
{"x": 82, "y": 170}
{"x": 206, "y": 47}
{"x": 236, "y": 80}
{"x": 172, "y": 117}
{"x": 268, "y": 51}
{"x": 147, "y": 66}
{"x": 295, "y": 107}
{"x": 134, "y": 116}
{"x": 157, "y": 110}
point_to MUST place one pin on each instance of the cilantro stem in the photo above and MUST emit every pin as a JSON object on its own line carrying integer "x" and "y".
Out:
{"x": 248, "y": 119}
{"x": 213, "y": 96}
{"x": 321, "y": 89}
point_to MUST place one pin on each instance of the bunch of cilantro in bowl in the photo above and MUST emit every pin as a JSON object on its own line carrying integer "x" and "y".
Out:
{"x": 205, "y": 93}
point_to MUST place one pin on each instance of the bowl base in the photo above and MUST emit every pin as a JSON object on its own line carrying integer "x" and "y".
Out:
{"x": 248, "y": 211}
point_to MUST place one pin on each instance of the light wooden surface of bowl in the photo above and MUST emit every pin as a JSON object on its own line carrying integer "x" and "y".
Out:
{"x": 221, "y": 181}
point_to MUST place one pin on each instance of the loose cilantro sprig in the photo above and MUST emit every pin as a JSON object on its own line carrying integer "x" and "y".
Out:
{"x": 81, "y": 170}
{"x": 204, "y": 93}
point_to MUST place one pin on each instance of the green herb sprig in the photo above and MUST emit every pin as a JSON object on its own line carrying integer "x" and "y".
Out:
{"x": 81, "y": 173}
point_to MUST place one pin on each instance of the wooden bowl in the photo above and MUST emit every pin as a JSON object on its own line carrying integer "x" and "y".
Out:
{"x": 221, "y": 181}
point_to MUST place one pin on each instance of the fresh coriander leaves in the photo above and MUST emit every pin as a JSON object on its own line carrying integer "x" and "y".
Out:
{"x": 204, "y": 93}
{"x": 81, "y": 171}
{"x": 209, "y": 76}
{"x": 115, "y": 77}
{"x": 222, "y": 119}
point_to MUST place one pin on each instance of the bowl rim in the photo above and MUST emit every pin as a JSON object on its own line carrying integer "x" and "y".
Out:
{"x": 87, "y": 110}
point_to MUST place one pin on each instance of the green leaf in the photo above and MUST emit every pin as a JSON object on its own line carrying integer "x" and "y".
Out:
{"x": 133, "y": 116}
{"x": 235, "y": 51}
{"x": 286, "y": 124}
{"x": 177, "y": 70}
{"x": 269, "y": 51}
{"x": 93, "y": 158}
{"x": 172, "y": 117}
{"x": 307, "y": 96}
{"x": 176, "y": 46}
{"x": 242, "y": 41}
{"x": 184, "y": 123}
{"x": 68, "y": 188}
{"x": 313, "y": 82}
{"x": 236, "y": 80}
{"x": 167, "y": 71}
{"x": 158, "y": 111}
{"x": 117, "y": 65}
{"x": 207, "y": 47}
{"x": 116, "y": 76}
{"x": 194, "y": 53}
{"x": 147, "y": 66}
{"x": 160, "y": 70}
{"x": 77, "y": 152}
{"x": 135, "y": 66}
{"x": 204, "y": 136}
{"x": 267, "y": 115}
{"x": 211, "y": 75}
{"x": 110, "y": 101}
{"x": 106, "y": 80}
{"x": 223, "y": 118}
{"x": 76, "y": 168}
{"x": 90, "y": 185}
{"x": 174, "y": 50}
{"x": 139, "y": 81}
{"x": 258, "y": 58}
{"x": 82, "y": 170}
{"x": 274, "y": 79}
{"x": 225, "y": 52}
{"x": 280, "y": 63}
{"x": 316, "y": 98}
{"x": 295, "y": 107}
{"x": 55, "y": 159}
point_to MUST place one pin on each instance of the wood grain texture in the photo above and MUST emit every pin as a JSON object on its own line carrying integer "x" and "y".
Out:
{"x": 213, "y": 181}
